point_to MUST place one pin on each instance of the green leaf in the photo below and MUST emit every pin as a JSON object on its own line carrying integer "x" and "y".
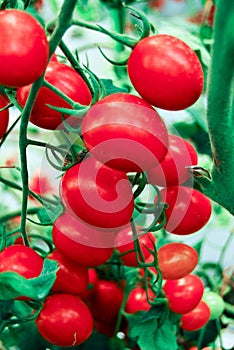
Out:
{"x": 198, "y": 113}
{"x": 110, "y": 88}
{"x": 13, "y": 285}
{"x": 151, "y": 331}
{"x": 47, "y": 216}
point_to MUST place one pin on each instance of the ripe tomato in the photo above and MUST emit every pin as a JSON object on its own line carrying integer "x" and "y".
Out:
{"x": 69, "y": 82}
{"x": 70, "y": 278}
{"x": 166, "y": 72}
{"x": 90, "y": 291}
{"x": 137, "y": 300}
{"x": 196, "y": 318}
{"x": 65, "y": 320}
{"x": 24, "y": 48}
{"x": 4, "y": 117}
{"x": 96, "y": 194}
{"x": 21, "y": 259}
{"x": 70, "y": 235}
{"x": 105, "y": 304}
{"x": 189, "y": 210}
{"x": 176, "y": 260}
{"x": 215, "y": 303}
{"x": 184, "y": 294}
{"x": 124, "y": 242}
{"x": 125, "y": 133}
{"x": 172, "y": 170}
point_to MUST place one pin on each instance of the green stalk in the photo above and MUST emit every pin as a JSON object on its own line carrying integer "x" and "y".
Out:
{"x": 220, "y": 114}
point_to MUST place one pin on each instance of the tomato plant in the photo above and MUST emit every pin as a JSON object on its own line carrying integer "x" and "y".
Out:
{"x": 68, "y": 81}
{"x": 138, "y": 301}
{"x": 125, "y": 133}
{"x": 90, "y": 291}
{"x": 173, "y": 169}
{"x": 65, "y": 320}
{"x": 176, "y": 260}
{"x": 166, "y": 72}
{"x": 215, "y": 303}
{"x": 97, "y": 194}
{"x": 196, "y": 318}
{"x": 71, "y": 278}
{"x": 67, "y": 234}
{"x": 184, "y": 294}
{"x": 188, "y": 209}
{"x": 4, "y": 116}
{"x": 24, "y": 50}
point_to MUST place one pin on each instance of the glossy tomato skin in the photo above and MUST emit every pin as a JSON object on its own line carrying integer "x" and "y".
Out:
{"x": 71, "y": 277}
{"x": 65, "y": 320}
{"x": 125, "y": 133}
{"x": 176, "y": 260}
{"x": 24, "y": 48}
{"x": 172, "y": 170}
{"x": 184, "y": 294}
{"x": 215, "y": 303}
{"x": 105, "y": 304}
{"x": 66, "y": 234}
{"x": 69, "y": 82}
{"x": 98, "y": 195}
{"x": 4, "y": 117}
{"x": 189, "y": 210}
{"x": 124, "y": 243}
{"x": 137, "y": 300}
{"x": 196, "y": 318}
{"x": 166, "y": 72}
{"x": 21, "y": 259}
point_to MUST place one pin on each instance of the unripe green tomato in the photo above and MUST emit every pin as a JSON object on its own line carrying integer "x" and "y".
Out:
{"x": 215, "y": 303}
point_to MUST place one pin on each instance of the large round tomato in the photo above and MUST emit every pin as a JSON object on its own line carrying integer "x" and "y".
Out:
{"x": 184, "y": 294}
{"x": 105, "y": 304}
{"x": 69, "y": 237}
{"x": 172, "y": 170}
{"x": 65, "y": 320}
{"x": 98, "y": 195}
{"x": 71, "y": 277}
{"x": 166, "y": 72}
{"x": 124, "y": 242}
{"x": 215, "y": 303}
{"x": 189, "y": 210}
{"x": 4, "y": 117}
{"x": 24, "y": 48}
{"x": 21, "y": 259}
{"x": 137, "y": 300}
{"x": 176, "y": 260}
{"x": 196, "y": 318}
{"x": 69, "y": 82}
{"x": 125, "y": 132}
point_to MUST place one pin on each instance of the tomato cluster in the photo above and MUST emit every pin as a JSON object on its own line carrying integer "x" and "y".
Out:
{"x": 124, "y": 139}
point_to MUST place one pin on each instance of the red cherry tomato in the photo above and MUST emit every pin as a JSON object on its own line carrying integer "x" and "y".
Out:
{"x": 65, "y": 320}
{"x": 172, "y": 170}
{"x": 137, "y": 300}
{"x": 90, "y": 291}
{"x": 105, "y": 304}
{"x": 24, "y": 48}
{"x": 166, "y": 72}
{"x": 98, "y": 195}
{"x": 4, "y": 117}
{"x": 124, "y": 243}
{"x": 176, "y": 260}
{"x": 125, "y": 133}
{"x": 70, "y": 278}
{"x": 69, "y": 82}
{"x": 196, "y": 318}
{"x": 67, "y": 234}
{"x": 189, "y": 210}
{"x": 184, "y": 294}
{"x": 21, "y": 259}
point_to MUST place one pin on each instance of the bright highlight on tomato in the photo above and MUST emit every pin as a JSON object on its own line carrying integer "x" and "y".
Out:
{"x": 125, "y": 133}
{"x": 24, "y": 48}
{"x": 166, "y": 72}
